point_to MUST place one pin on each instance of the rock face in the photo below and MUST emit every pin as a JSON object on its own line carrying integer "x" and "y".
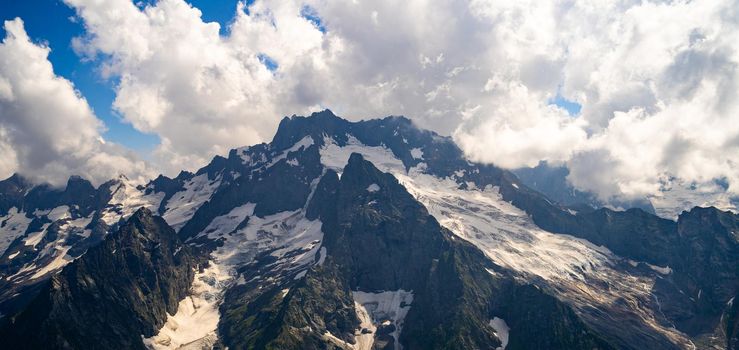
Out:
{"x": 633, "y": 233}
{"x": 707, "y": 259}
{"x": 118, "y": 291}
{"x": 377, "y": 237}
{"x": 710, "y": 238}
{"x": 12, "y": 191}
{"x": 355, "y": 235}
{"x": 44, "y": 227}
{"x": 700, "y": 250}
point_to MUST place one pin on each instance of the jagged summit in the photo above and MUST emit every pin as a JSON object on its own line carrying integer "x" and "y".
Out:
{"x": 359, "y": 167}
{"x": 294, "y": 128}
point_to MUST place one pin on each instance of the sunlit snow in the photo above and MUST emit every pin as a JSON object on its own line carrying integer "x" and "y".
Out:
{"x": 196, "y": 321}
{"x": 14, "y": 225}
{"x": 182, "y": 206}
{"x": 417, "y": 153}
{"x": 501, "y": 331}
{"x": 382, "y": 307}
{"x": 582, "y": 273}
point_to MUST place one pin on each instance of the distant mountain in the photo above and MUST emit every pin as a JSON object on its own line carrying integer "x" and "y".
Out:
{"x": 552, "y": 182}
{"x": 356, "y": 235}
{"x": 673, "y": 198}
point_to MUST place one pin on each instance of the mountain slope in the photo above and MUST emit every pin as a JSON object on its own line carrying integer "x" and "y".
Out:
{"x": 369, "y": 234}
{"x": 46, "y": 228}
{"x": 378, "y": 243}
{"x": 115, "y": 292}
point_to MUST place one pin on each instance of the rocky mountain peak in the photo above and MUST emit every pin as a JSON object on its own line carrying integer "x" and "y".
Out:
{"x": 360, "y": 173}
{"x": 292, "y": 129}
{"x": 341, "y": 234}
{"x": 12, "y": 191}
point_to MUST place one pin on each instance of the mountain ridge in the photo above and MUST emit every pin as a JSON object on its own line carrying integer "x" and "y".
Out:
{"x": 144, "y": 281}
{"x": 258, "y": 219}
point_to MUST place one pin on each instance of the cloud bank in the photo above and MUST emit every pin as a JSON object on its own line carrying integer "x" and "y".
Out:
{"x": 657, "y": 80}
{"x": 47, "y": 130}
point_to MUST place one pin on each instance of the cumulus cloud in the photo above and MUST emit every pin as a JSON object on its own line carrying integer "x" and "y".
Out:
{"x": 657, "y": 81}
{"x": 47, "y": 130}
{"x": 200, "y": 92}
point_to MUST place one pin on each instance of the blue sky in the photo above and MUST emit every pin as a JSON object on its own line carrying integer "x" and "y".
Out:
{"x": 52, "y": 22}
{"x": 573, "y": 108}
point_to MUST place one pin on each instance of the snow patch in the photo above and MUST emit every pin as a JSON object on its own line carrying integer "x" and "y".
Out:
{"x": 195, "y": 323}
{"x": 14, "y": 225}
{"x": 300, "y": 275}
{"x": 304, "y": 143}
{"x": 34, "y": 238}
{"x": 24, "y": 271}
{"x": 322, "y": 256}
{"x": 243, "y": 153}
{"x": 58, "y": 213}
{"x": 241, "y": 280}
{"x": 501, "y": 331}
{"x": 508, "y": 236}
{"x": 658, "y": 269}
{"x": 337, "y": 341}
{"x": 417, "y": 153}
{"x": 60, "y": 260}
{"x": 226, "y": 224}
{"x": 335, "y": 157}
{"x": 125, "y": 199}
{"x": 661, "y": 270}
{"x": 382, "y": 307}
{"x": 182, "y": 206}
{"x": 373, "y": 188}
{"x": 364, "y": 339}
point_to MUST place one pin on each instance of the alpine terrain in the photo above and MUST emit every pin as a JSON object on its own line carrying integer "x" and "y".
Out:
{"x": 356, "y": 235}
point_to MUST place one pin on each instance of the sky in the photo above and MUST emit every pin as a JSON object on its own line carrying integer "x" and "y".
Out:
{"x": 53, "y": 22}
{"x": 632, "y": 96}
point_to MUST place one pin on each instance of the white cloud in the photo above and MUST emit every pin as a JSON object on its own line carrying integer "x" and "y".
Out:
{"x": 47, "y": 130}
{"x": 201, "y": 93}
{"x": 657, "y": 81}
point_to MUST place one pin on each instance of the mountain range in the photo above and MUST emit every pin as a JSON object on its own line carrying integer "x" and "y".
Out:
{"x": 356, "y": 235}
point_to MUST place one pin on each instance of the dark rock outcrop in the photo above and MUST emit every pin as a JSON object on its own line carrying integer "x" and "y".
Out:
{"x": 12, "y": 191}
{"x": 296, "y": 319}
